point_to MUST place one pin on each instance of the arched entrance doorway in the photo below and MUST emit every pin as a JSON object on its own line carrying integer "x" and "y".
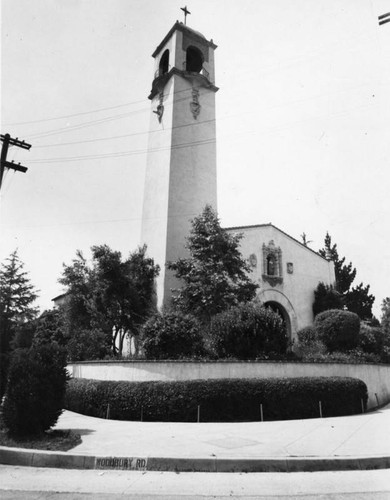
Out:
{"x": 280, "y": 303}
{"x": 279, "y": 309}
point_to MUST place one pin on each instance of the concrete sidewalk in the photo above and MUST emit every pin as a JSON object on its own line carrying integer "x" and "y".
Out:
{"x": 338, "y": 443}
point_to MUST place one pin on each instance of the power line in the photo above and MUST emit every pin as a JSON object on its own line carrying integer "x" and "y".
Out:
{"x": 96, "y": 122}
{"x": 92, "y": 111}
{"x": 296, "y": 101}
{"x": 126, "y": 135}
{"x": 122, "y": 153}
{"x": 75, "y": 114}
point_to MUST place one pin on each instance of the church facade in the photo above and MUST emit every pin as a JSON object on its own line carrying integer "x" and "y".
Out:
{"x": 286, "y": 271}
{"x": 181, "y": 179}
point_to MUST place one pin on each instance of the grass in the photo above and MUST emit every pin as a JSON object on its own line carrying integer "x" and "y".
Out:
{"x": 53, "y": 440}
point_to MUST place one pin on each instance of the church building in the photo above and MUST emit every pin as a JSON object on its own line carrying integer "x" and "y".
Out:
{"x": 181, "y": 178}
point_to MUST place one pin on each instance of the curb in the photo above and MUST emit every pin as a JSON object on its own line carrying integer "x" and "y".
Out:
{"x": 63, "y": 460}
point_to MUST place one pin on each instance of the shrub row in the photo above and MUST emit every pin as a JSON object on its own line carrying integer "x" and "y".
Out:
{"x": 220, "y": 400}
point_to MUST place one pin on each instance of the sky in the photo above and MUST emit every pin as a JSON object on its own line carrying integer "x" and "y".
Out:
{"x": 302, "y": 117}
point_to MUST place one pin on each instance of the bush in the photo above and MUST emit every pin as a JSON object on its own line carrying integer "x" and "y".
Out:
{"x": 35, "y": 390}
{"x": 172, "y": 335}
{"x": 338, "y": 330}
{"x": 306, "y": 336}
{"x": 326, "y": 298}
{"x": 247, "y": 331}
{"x": 223, "y": 400}
{"x": 309, "y": 348}
{"x": 371, "y": 339}
{"x": 88, "y": 345}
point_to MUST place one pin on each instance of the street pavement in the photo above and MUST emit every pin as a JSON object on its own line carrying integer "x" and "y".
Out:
{"x": 338, "y": 443}
{"x": 30, "y": 483}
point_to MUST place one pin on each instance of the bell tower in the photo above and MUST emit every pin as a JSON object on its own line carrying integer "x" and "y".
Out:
{"x": 181, "y": 173}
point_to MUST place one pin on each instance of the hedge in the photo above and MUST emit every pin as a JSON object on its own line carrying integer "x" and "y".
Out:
{"x": 220, "y": 400}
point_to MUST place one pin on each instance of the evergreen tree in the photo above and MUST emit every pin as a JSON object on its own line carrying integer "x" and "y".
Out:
{"x": 214, "y": 276}
{"x": 356, "y": 299}
{"x": 17, "y": 296}
{"x": 325, "y": 298}
{"x": 345, "y": 273}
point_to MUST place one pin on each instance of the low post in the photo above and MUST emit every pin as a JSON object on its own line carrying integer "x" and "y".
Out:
{"x": 108, "y": 411}
{"x": 261, "y": 412}
{"x": 198, "y": 414}
{"x": 142, "y": 413}
{"x": 320, "y": 405}
{"x": 362, "y": 405}
{"x": 377, "y": 399}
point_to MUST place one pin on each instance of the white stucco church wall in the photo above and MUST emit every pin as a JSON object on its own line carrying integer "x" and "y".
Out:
{"x": 286, "y": 271}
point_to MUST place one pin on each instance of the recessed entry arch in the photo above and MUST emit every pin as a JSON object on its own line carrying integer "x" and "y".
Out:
{"x": 281, "y": 304}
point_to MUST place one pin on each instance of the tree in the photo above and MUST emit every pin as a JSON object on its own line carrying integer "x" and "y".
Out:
{"x": 345, "y": 273}
{"x": 17, "y": 296}
{"x": 215, "y": 276}
{"x": 385, "y": 318}
{"x": 360, "y": 301}
{"x": 356, "y": 299}
{"x": 112, "y": 295}
{"x": 49, "y": 328}
{"x": 326, "y": 297}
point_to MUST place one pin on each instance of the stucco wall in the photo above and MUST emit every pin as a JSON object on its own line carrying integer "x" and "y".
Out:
{"x": 376, "y": 377}
{"x": 296, "y": 292}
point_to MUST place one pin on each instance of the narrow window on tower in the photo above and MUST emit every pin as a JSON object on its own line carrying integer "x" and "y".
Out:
{"x": 164, "y": 63}
{"x": 194, "y": 60}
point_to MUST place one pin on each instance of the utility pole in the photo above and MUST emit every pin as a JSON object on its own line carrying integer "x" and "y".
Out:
{"x": 7, "y": 141}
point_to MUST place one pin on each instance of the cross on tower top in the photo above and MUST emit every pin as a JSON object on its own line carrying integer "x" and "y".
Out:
{"x": 186, "y": 11}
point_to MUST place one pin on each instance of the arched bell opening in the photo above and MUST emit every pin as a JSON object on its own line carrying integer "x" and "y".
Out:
{"x": 194, "y": 60}
{"x": 163, "y": 67}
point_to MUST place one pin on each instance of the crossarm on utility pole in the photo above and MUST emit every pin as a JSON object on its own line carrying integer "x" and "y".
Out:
{"x": 7, "y": 141}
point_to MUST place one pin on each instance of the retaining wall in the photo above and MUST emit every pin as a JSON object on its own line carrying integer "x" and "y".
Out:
{"x": 376, "y": 377}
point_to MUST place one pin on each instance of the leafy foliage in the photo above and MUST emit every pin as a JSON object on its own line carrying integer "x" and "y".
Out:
{"x": 338, "y": 330}
{"x": 371, "y": 339}
{"x": 385, "y": 319}
{"x": 172, "y": 335}
{"x": 220, "y": 400}
{"x": 326, "y": 297}
{"x": 35, "y": 390}
{"x": 88, "y": 345}
{"x": 215, "y": 276}
{"x": 356, "y": 299}
{"x": 113, "y": 295}
{"x": 247, "y": 331}
{"x": 49, "y": 328}
{"x": 360, "y": 301}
